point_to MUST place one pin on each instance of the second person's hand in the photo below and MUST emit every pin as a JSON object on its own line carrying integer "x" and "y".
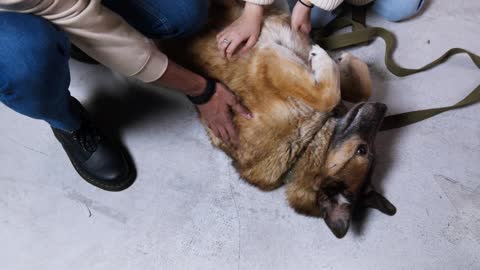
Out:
{"x": 301, "y": 17}
{"x": 245, "y": 30}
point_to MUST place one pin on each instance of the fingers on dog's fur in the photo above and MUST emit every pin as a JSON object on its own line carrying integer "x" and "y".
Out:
{"x": 232, "y": 47}
{"x": 250, "y": 43}
{"x": 240, "y": 109}
{"x": 232, "y": 133}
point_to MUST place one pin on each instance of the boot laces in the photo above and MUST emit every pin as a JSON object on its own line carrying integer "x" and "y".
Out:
{"x": 88, "y": 137}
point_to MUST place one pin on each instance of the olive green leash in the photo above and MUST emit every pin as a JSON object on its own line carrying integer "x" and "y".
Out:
{"x": 362, "y": 35}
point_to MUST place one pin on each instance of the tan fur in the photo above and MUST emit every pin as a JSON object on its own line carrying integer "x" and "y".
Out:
{"x": 291, "y": 103}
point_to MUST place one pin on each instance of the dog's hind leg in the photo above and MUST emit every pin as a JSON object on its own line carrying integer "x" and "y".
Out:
{"x": 319, "y": 87}
{"x": 355, "y": 78}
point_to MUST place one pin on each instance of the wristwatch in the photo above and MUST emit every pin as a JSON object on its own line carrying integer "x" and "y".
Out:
{"x": 207, "y": 94}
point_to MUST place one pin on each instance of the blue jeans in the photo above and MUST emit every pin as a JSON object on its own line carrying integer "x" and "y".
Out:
{"x": 34, "y": 54}
{"x": 392, "y": 10}
{"x": 397, "y": 10}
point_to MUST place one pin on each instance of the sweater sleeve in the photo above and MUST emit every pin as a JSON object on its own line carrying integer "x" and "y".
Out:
{"x": 260, "y": 2}
{"x": 330, "y": 5}
{"x": 100, "y": 33}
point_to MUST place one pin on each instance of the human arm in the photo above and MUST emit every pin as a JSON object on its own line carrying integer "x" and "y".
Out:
{"x": 300, "y": 20}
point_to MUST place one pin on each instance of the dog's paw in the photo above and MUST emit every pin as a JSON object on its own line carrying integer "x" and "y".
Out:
{"x": 321, "y": 63}
{"x": 317, "y": 52}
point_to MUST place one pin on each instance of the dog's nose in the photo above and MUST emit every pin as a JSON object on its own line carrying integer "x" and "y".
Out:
{"x": 381, "y": 107}
{"x": 375, "y": 106}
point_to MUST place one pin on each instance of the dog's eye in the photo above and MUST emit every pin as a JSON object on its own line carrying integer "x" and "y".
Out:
{"x": 362, "y": 150}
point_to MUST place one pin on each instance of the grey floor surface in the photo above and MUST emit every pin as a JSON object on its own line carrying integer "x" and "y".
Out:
{"x": 189, "y": 210}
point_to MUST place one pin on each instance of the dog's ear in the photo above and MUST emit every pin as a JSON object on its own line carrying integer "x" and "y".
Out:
{"x": 373, "y": 199}
{"x": 337, "y": 216}
{"x": 336, "y": 208}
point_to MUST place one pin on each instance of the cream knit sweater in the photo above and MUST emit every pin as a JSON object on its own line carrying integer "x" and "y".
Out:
{"x": 106, "y": 37}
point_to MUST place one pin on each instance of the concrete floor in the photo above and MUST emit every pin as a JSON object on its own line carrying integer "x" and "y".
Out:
{"x": 189, "y": 210}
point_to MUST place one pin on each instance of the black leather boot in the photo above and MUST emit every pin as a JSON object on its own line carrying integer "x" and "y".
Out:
{"x": 98, "y": 160}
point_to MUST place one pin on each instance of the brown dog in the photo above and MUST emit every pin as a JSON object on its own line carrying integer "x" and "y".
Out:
{"x": 300, "y": 134}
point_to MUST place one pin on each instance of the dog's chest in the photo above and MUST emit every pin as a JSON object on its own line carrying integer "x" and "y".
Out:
{"x": 277, "y": 35}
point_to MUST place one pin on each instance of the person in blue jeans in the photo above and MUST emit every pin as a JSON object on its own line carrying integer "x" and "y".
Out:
{"x": 35, "y": 49}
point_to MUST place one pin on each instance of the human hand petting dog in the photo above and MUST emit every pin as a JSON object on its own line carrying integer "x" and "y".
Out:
{"x": 218, "y": 114}
{"x": 245, "y": 30}
{"x": 301, "y": 16}
{"x": 216, "y": 110}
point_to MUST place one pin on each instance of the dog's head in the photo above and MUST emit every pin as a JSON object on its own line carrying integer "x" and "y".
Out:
{"x": 332, "y": 178}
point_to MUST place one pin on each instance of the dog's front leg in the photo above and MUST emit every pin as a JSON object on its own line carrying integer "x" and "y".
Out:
{"x": 324, "y": 69}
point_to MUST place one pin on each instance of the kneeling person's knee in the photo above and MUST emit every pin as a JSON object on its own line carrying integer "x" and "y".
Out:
{"x": 34, "y": 58}
{"x": 189, "y": 18}
{"x": 395, "y": 11}
{"x": 196, "y": 18}
{"x": 34, "y": 53}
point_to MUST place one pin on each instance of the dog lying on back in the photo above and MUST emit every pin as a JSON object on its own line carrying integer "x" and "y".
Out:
{"x": 301, "y": 134}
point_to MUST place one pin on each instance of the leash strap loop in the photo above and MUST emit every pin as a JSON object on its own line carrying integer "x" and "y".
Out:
{"x": 363, "y": 35}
